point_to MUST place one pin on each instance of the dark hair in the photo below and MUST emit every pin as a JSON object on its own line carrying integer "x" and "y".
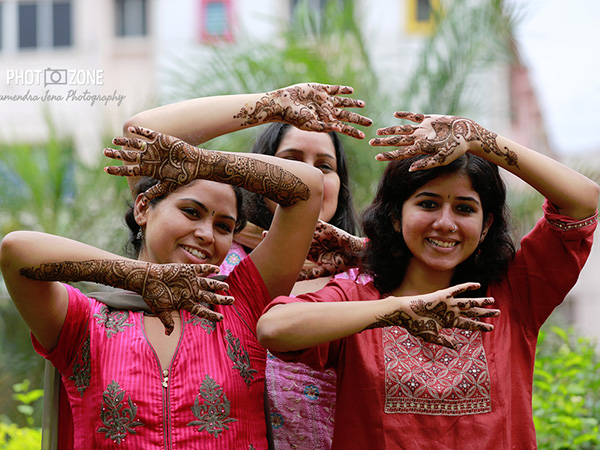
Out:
{"x": 267, "y": 144}
{"x": 386, "y": 255}
{"x": 134, "y": 243}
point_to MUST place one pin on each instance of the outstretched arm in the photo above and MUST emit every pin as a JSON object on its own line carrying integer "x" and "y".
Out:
{"x": 300, "y": 325}
{"x": 445, "y": 138}
{"x": 308, "y": 106}
{"x": 33, "y": 264}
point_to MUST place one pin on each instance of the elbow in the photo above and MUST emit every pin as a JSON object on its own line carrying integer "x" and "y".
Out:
{"x": 9, "y": 250}
{"x": 270, "y": 332}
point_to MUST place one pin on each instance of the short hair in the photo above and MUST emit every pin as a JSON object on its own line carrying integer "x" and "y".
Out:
{"x": 267, "y": 144}
{"x": 134, "y": 243}
{"x": 386, "y": 256}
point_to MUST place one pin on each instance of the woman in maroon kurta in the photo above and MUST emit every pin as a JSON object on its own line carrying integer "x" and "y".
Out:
{"x": 440, "y": 224}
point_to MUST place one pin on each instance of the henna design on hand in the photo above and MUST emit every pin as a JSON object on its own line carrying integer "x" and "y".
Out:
{"x": 175, "y": 163}
{"x": 334, "y": 250}
{"x": 311, "y": 106}
{"x": 425, "y": 316}
{"x": 164, "y": 287}
{"x": 443, "y": 137}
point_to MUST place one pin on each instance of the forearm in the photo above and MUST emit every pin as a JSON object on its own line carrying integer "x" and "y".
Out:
{"x": 42, "y": 304}
{"x": 571, "y": 192}
{"x": 198, "y": 120}
{"x": 301, "y": 325}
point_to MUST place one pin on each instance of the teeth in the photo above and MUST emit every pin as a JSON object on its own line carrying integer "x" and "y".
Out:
{"x": 443, "y": 244}
{"x": 195, "y": 252}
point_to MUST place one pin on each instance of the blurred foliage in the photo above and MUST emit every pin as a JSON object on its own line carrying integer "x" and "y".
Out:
{"x": 47, "y": 187}
{"x": 328, "y": 46}
{"x": 566, "y": 394}
{"x": 13, "y": 436}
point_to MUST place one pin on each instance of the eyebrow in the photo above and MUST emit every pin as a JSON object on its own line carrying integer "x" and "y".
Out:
{"x": 203, "y": 207}
{"x": 462, "y": 198}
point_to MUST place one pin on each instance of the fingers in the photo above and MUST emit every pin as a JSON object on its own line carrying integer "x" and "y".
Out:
{"x": 347, "y": 102}
{"x": 144, "y": 132}
{"x": 401, "y": 153}
{"x": 129, "y": 156}
{"x": 123, "y": 171}
{"x": 400, "y": 129}
{"x": 425, "y": 163}
{"x": 214, "y": 299}
{"x": 480, "y": 313}
{"x": 472, "y": 325}
{"x": 352, "y": 117}
{"x": 393, "y": 141}
{"x": 203, "y": 270}
{"x": 167, "y": 320}
{"x": 139, "y": 144}
{"x": 202, "y": 311}
{"x": 334, "y": 89}
{"x": 418, "y": 118}
{"x": 351, "y": 131}
{"x": 160, "y": 189}
{"x": 463, "y": 287}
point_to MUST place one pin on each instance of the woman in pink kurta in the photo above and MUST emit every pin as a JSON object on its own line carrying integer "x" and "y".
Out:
{"x": 403, "y": 381}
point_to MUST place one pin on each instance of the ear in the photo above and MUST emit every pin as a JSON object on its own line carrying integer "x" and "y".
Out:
{"x": 140, "y": 210}
{"x": 486, "y": 226}
{"x": 397, "y": 224}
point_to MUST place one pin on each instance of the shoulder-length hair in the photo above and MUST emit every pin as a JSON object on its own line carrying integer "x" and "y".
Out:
{"x": 267, "y": 144}
{"x": 387, "y": 256}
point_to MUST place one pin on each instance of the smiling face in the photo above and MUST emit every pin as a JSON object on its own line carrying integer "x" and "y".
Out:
{"x": 316, "y": 149}
{"x": 192, "y": 225}
{"x": 442, "y": 224}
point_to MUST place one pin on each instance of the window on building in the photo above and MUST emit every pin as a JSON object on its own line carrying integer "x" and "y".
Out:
{"x": 216, "y": 20}
{"x": 28, "y": 25}
{"x": 131, "y": 18}
{"x": 1, "y": 28}
{"x": 44, "y": 24}
{"x": 61, "y": 24}
{"x": 419, "y": 18}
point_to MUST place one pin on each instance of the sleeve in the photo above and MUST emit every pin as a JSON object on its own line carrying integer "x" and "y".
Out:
{"x": 248, "y": 289}
{"x": 326, "y": 355}
{"x": 548, "y": 264}
{"x": 74, "y": 330}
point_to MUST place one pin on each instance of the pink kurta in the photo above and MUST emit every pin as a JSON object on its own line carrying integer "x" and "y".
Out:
{"x": 211, "y": 397}
{"x": 397, "y": 392}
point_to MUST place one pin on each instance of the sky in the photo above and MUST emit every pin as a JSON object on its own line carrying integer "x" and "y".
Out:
{"x": 559, "y": 42}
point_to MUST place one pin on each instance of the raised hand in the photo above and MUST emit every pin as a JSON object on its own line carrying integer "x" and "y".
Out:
{"x": 445, "y": 138}
{"x": 308, "y": 106}
{"x": 175, "y": 163}
{"x": 333, "y": 250}
{"x": 425, "y": 315}
{"x": 164, "y": 287}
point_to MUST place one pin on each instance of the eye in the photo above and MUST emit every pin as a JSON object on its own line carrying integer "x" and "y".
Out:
{"x": 428, "y": 204}
{"x": 325, "y": 168}
{"x": 191, "y": 212}
{"x": 466, "y": 209}
{"x": 225, "y": 227}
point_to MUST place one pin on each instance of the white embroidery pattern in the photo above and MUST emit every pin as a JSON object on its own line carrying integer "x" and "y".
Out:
{"x": 425, "y": 378}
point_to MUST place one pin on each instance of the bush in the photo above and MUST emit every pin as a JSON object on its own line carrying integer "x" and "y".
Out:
{"x": 566, "y": 391}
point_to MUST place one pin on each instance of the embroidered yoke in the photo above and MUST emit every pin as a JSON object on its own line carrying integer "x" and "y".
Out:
{"x": 395, "y": 391}
{"x": 210, "y": 398}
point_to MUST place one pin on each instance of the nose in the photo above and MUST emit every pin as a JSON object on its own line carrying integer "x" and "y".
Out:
{"x": 204, "y": 232}
{"x": 445, "y": 221}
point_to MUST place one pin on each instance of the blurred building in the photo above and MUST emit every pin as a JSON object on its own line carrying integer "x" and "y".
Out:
{"x": 81, "y": 67}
